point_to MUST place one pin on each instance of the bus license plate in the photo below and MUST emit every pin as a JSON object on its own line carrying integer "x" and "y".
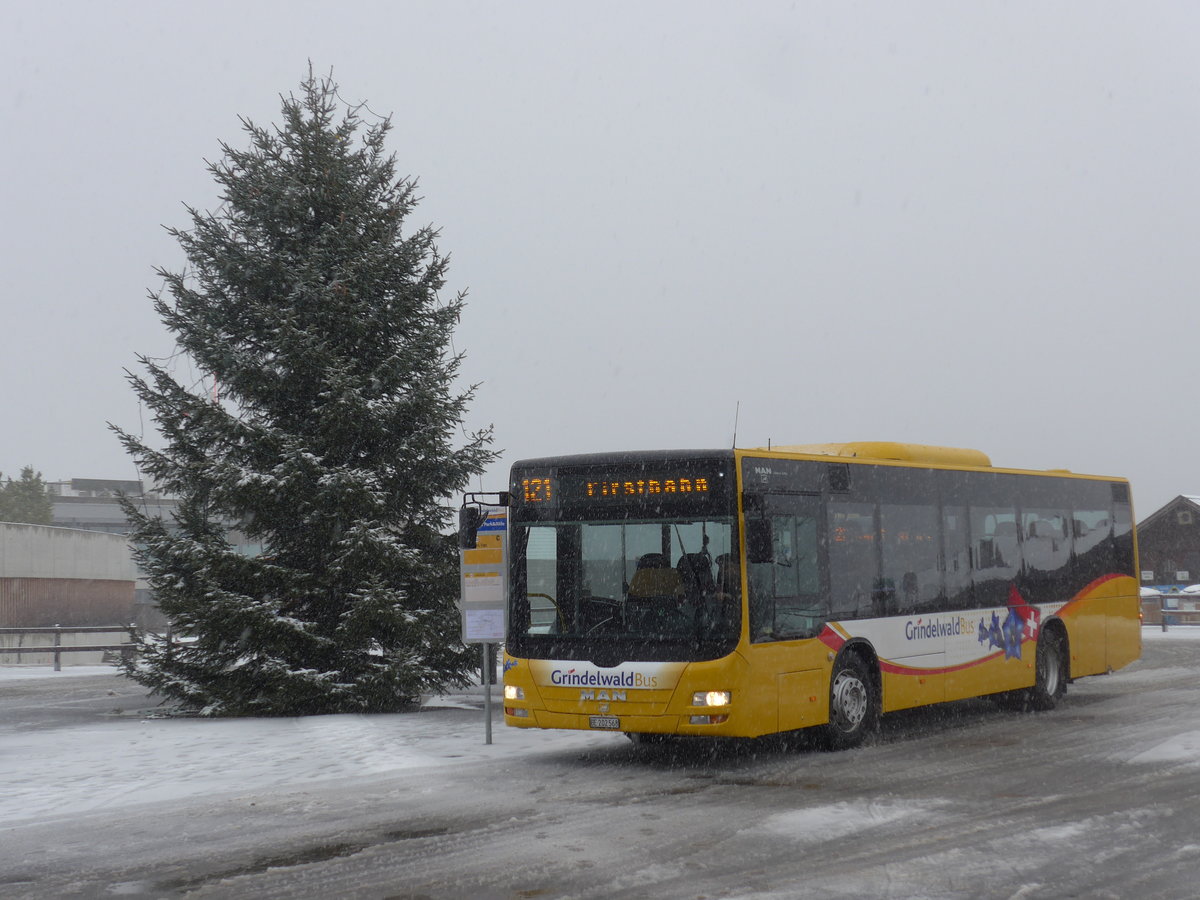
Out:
{"x": 610, "y": 722}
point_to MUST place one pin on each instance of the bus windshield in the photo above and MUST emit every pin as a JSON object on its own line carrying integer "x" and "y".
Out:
{"x": 627, "y": 588}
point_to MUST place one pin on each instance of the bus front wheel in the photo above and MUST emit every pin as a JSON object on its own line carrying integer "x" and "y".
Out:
{"x": 853, "y": 703}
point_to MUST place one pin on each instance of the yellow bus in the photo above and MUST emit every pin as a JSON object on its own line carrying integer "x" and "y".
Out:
{"x": 746, "y": 592}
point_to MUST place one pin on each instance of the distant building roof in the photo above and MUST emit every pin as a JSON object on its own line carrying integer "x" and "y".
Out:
{"x": 1191, "y": 499}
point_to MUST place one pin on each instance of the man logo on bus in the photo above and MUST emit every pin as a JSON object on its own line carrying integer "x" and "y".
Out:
{"x": 602, "y": 695}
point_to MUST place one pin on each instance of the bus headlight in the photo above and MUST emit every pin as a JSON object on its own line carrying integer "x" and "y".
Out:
{"x": 513, "y": 692}
{"x": 711, "y": 698}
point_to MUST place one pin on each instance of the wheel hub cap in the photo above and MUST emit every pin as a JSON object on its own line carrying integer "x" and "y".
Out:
{"x": 849, "y": 702}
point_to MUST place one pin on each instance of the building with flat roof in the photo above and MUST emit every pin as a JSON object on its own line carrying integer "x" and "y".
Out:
{"x": 92, "y": 503}
{"x": 63, "y": 576}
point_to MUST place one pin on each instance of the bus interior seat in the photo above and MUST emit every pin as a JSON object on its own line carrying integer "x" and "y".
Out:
{"x": 1049, "y": 528}
{"x": 1038, "y": 543}
{"x": 653, "y": 561}
{"x": 1006, "y": 530}
{"x": 654, "y": 577}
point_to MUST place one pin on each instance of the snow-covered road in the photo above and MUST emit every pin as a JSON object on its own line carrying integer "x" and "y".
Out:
{"x": 1100, "y": 798}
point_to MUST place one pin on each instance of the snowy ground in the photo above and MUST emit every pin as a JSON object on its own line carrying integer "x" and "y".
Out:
{"x": 124, "y": 756}
{"x": 1098, "y": 798}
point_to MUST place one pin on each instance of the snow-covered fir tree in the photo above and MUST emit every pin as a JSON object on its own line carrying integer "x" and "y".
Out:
{"x": 320, "y": 419}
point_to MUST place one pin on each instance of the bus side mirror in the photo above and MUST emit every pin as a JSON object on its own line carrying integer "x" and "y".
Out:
{"x": 470, "y": 518}
{"x": 759, "y": 541}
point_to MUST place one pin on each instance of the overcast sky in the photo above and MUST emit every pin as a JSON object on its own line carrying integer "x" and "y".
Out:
{"x": 971, "y": 224}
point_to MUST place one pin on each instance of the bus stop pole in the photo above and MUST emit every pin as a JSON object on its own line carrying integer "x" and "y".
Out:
{"x": 487, "y": 693}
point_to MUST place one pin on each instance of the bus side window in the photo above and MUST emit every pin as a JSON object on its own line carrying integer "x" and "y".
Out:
{"x": 1122, "y": 530}
{"x": 911, "y": 553}
{"x": 1046, "y": 554}
{"x": 997, "y": 553}
{"x": 956, "y": 555}
{"x": 1092, "y": 530}
{"x": 853, "y": 559}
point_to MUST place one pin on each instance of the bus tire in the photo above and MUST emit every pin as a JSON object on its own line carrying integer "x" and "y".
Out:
{"x": 853, "y": 703}
{"x": 1050, "y": 666}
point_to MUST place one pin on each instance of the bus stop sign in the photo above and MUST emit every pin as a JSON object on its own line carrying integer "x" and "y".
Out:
{"x": 484, "y": 578}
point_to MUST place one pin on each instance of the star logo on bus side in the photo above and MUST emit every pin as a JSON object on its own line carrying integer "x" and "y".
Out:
{"x": 992, "y": 634}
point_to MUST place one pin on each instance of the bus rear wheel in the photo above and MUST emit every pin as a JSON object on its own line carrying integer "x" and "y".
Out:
{"x": 853, "y": 703}
{"x": 1050, "y": 666}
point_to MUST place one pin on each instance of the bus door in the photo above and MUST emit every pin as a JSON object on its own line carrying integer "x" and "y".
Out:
{"x": 786, "y": 604}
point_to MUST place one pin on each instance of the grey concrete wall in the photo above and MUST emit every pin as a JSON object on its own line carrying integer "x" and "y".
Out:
{"x": 60, "y": 576}
{"x": 41, "y": 551}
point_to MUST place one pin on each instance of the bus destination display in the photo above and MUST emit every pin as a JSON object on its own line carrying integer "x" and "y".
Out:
{"x": 639, "y": 487}
{"x": 614, "y": 487}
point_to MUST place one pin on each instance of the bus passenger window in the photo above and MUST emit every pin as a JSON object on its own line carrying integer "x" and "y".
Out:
{"x": 1122, "y": 528}
{"x": 853, "y": 560}
{"x": 1046, "y": 554}
{"x": 910, "y": 548}
{"x": 957, "y": 591}
{"x": 996, "y": 555}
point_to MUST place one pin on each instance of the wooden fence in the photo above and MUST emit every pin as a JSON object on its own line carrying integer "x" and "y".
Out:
{"x": 56, "y": 646}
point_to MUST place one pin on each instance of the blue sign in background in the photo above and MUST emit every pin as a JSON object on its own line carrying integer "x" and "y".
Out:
{"x": 494, "y": 523}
